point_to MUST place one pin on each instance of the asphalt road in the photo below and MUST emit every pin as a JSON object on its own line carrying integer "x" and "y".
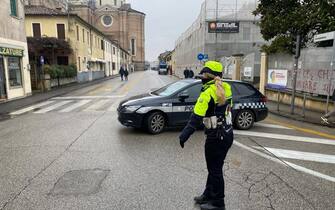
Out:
{"x": 70, "y": 152}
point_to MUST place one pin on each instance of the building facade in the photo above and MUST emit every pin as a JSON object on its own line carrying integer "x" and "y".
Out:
{"x": 67, "y": 39}
{"x": 120, "y": 23}
{"x": 14, "y": 62}
{"x": 221, "y": 30}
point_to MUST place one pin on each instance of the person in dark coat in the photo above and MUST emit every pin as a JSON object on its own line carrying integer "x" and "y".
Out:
{"x": 121, "y": 72}
{"x": 331, "y": 113}
{"x": 126, "y": 73}
{"x": 186, "y": 73}
{"x": 191, "y": 74}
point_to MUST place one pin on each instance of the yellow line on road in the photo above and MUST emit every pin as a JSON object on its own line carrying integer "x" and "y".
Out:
{"x": 306, "y": 130}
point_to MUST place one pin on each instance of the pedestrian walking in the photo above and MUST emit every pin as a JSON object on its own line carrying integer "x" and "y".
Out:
{"x": 213, "y": 109}
{"x": 331, "y": 113}
{"x": 191, "y": 74}
{"x": 126, "y": 73}
{"x": 186, "y": 73}
{"x": 121, "y": 72}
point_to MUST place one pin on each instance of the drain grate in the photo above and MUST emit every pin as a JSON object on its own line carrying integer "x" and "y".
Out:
{"x": 80, "y": 182}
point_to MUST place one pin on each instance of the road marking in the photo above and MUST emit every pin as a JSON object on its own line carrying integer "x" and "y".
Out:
{"x": 97, "y": 105}
{"x": 75, "y": 106}
{"x": 114, "y": 107}
{"x": 310, "y": 131}
{"x": 31, "y": 108}
{"x": 50, "y": 108}
{"x": 283, "y": 162}
{"x": 298, "y": 155}
{"x": 285, "y": 137}
{"x": 87, "y": 97}
{"x": 271, "y": 126}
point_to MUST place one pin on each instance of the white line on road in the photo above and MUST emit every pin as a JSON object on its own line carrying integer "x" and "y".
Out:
{"x": 298, "y": 155}
{"x": 31, "y": 108}
{"x": 271, "y": 126}
{"x": 75, "y": 106}
{"x": 114, "y": 107}
{"x": 87, "y": 97}
{"x": 97, "y": 105}
{"x": 285, "y": 137}
{"x": 283, "y": 162}
{"x": 50, "y": 108}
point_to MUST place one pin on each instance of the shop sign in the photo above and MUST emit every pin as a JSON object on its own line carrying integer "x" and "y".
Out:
{"x": 11, "y": 52}
{"x": 277, "y": 78}
{"x": 223, "y": 27}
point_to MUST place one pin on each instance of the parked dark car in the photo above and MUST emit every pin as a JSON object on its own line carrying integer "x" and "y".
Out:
{"x": 172, "y": 105}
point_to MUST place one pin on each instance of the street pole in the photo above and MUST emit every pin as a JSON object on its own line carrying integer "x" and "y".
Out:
{"x": 295, "y": 72}
{"x": 332, "y": 63}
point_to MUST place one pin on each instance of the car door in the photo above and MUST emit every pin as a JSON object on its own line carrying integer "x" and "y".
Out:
{"x": 182, "y": 108}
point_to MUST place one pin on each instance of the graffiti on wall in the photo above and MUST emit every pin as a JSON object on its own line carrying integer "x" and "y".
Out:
{"x": 321, "y": 82}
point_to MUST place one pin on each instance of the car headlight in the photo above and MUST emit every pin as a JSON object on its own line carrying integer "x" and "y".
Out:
{"x": 131, "y": 109}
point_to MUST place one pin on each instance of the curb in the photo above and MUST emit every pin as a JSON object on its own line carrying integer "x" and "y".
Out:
{"x": 292, "y": 117}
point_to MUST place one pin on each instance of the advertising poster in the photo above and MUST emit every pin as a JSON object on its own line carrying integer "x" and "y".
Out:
{"x": 277, "y": 78}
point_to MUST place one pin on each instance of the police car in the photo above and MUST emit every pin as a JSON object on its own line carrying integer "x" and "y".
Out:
{"x": 172, "y": 105}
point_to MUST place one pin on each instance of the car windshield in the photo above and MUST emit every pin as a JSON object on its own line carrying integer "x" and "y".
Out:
{"x": 171, "y": 88}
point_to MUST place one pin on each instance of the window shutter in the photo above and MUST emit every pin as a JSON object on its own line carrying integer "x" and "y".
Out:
{"x": 13, "y": 7}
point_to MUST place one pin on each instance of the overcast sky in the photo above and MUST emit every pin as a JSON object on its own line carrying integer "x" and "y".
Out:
{"x": 165, "y": 21}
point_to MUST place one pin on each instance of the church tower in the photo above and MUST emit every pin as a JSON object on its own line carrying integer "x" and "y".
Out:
{"x": 115, "y": 3}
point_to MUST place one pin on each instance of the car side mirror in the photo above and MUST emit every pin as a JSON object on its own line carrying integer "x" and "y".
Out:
{"x": 183, "y": 96}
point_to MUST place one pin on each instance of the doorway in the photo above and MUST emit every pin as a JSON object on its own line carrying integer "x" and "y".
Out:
{"x": 3, "y": 94}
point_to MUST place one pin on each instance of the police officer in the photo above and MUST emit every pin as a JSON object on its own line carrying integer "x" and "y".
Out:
{"x": 213, "y": 109}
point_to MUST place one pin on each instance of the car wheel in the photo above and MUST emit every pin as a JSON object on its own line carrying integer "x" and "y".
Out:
{"x": 156, "y": 123}
{"x": 244, "y": 120}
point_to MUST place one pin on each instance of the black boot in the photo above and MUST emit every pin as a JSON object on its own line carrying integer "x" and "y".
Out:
{"x": 201, "y": 199}
{"x": 209, "y": 206}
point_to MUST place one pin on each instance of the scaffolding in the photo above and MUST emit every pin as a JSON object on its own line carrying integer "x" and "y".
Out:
{"x": 196, "y": 38}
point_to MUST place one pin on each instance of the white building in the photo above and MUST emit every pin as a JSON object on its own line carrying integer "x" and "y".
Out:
{"x": 108, "y": 50}
{"x": 14, "y": 60}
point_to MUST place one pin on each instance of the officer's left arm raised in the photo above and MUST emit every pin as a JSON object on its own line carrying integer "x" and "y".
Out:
{"x": 195, "y": 121}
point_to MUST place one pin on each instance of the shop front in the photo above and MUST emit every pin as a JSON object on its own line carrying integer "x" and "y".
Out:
{"x": 13, "y": 69}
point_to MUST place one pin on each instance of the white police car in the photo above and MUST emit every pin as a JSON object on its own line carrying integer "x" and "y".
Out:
{"x": 172, "y": 105}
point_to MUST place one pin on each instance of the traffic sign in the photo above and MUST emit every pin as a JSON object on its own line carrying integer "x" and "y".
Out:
{"x": 201, "y": 56}
{"x": 205, "y": 57}
{"x": 324, "y": 36}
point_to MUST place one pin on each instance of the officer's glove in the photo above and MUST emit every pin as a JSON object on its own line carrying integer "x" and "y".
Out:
{"x": 185, "y": 135}
{"x": 195, "y": 122}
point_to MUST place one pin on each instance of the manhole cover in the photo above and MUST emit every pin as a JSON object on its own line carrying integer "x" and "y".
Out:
{"x": 80, "y": 182}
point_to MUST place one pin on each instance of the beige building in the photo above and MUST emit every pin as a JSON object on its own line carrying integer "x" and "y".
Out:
{"x": 14, "y": 62}
{"x": 63, "y": 39}
{"x": 120, "y": 23}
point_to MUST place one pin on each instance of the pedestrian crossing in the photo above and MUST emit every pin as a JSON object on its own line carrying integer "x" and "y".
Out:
{"x": 72, "y": 104}
{"x": 303, "y": 152}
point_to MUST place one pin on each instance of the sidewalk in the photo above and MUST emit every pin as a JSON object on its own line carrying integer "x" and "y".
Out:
{"x": 9, "y": 106}
{"x": 285, "y": 111}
